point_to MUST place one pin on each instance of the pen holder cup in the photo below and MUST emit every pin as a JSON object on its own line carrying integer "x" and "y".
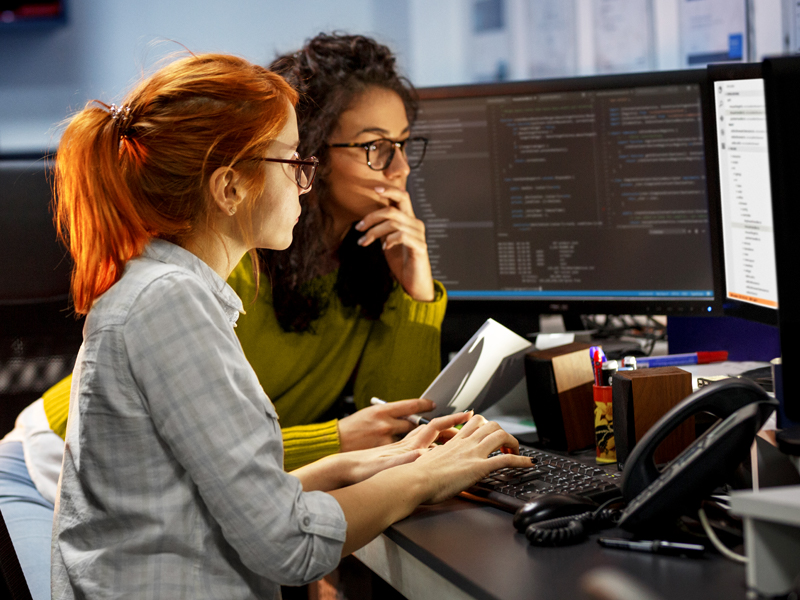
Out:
{"x": 604, "y": 425}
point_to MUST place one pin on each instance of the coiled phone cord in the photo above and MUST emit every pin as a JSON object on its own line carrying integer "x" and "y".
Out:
{"x": 562, "y": 531}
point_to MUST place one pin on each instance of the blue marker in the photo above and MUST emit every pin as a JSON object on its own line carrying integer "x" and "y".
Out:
{"x": 689, "y": 358}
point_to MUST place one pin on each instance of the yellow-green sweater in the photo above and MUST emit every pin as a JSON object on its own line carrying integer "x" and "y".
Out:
{"x": 396, "y": 357}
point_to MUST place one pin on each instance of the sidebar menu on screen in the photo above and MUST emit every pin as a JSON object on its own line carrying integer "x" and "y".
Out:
{"x": 748, "y": 237}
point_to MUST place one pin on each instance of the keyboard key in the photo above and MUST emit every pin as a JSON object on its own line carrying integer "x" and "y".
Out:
{"x": 530, "y": 476}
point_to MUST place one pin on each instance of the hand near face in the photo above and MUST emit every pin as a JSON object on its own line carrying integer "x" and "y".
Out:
{"x": 402, "y": 237}
{"x": 377, "y": 199}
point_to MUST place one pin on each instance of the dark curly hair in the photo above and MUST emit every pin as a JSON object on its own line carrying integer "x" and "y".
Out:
{"x": 330, "y": 71}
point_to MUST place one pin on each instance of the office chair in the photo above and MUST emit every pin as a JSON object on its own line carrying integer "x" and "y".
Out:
{"x": 12, "y": 580}
{"x": 39, "y": 337}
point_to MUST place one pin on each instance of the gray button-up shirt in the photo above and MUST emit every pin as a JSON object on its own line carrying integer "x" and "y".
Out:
{"x": 172, "y": 484}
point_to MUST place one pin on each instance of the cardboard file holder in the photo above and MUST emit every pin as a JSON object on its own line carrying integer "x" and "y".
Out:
{"x": 639, "y": 399}
{"x": 559, "y": 384}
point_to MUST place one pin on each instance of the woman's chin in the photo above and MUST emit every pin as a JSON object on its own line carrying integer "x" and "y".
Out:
{"x": 276, "y": 243}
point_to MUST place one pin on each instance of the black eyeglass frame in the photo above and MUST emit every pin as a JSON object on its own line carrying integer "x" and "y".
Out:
{"x": 395, "y": 145}
{"x": 311, "y": 161}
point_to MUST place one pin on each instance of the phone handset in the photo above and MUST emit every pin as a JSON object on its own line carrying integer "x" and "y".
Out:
{"x": 653, "y": 496}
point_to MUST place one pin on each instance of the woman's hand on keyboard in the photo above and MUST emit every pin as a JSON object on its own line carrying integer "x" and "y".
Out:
{"x": 366, "y": 463}
{"x": 462, "y": 461}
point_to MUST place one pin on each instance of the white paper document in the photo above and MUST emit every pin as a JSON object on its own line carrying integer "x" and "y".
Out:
{"x": 488, "y": 368}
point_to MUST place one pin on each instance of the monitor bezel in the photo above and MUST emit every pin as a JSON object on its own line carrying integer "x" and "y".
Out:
{"x": 730, "y": 306}
{"x": 35, "y": 23}
{"x": 668, "y": 306}
{"x": 781, "y": 87}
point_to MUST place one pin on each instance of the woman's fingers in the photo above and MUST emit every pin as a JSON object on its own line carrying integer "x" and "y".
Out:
{"x": 473, "y": 423}
{"x": 386, "y": 221}
{"x": 404, "y": 408}
{"x": 374, "y": 426}
{"x": 447, "y": 421}
{"x": 404, "y": 239}
{"x": 426, "y": 435}
{"x": 397, "y": 197}
{"x": 447, "y": 435}
{"x": 499, "y": 439}
{"x": 466, "y": 458}
{"x": 503, "y": 461}
{"x": 489, "y": 436}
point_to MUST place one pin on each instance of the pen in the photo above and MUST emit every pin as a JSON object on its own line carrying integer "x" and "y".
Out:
{"x": 415, "y": 419}
{"x": 654, "y": 546}
{"x": 690, "y": 358}
{"x": 592, "y": 351}
{"x": 598, "y": 357}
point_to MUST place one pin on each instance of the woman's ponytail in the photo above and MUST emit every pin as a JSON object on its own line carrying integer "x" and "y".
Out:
{"x": 95, "y": 208}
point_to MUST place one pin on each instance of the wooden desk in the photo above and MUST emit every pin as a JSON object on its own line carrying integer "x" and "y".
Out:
{"x": 460, "y": 549}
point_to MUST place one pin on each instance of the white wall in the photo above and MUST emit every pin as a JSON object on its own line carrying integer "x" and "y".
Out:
{"x": 440, "y": 27}
{"x": 46, "y": 74}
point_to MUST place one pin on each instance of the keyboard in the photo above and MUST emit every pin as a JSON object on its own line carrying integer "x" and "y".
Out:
{"x": 511, "y": 488}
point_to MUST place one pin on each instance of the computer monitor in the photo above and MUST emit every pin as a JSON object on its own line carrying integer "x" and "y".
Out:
{"x": 741, "y": 154}
{"x": 583, "y": 195}
{"x": 782, "y": 90}
{"x": 36, "y": 267}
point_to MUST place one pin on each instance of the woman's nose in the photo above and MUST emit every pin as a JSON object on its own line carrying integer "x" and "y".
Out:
{"x": 399, "y": 165}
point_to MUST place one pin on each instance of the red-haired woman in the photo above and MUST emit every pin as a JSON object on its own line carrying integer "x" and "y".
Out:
{"x": 172, "y": 482}
{"x": 335, "y": 315}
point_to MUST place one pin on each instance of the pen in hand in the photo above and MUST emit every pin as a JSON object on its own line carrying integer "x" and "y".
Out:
{"x": 415, "y": 419}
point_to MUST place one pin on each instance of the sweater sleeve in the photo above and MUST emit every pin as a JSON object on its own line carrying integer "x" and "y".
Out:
{"x": 56, "y": 405}
{"x": 304, "y": 444}
{"x": 402, "y": 354}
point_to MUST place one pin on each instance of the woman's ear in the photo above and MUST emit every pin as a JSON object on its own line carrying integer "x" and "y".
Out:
{"x": 226, "y": 189}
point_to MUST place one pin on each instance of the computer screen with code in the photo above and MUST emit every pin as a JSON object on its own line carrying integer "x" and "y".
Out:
{"x": 588, "y": 192}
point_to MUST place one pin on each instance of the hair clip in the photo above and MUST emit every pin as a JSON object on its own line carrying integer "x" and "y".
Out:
{"x": 121, "y": 114}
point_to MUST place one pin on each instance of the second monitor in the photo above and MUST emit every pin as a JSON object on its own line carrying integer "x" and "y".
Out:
{"x": 581, "y": 195}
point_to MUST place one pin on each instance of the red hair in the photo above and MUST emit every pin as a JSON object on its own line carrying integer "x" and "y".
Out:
{"x": 123, "y": 177}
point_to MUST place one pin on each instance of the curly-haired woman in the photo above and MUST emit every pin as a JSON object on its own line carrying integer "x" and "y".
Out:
{"x": 352, "y": 307}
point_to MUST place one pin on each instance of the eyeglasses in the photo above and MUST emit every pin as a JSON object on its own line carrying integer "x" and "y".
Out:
{"x": 380, "y": 153}
{"x": 305, "y": 168}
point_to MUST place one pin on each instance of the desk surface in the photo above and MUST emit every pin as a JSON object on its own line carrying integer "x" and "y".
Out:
{"x": 475, "y": 550}
{"x": 460, "y": 549}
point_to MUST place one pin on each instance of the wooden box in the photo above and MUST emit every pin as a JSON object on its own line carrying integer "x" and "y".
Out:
{"x": 559, "y": 384}
{"x": 640, "y": 398}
